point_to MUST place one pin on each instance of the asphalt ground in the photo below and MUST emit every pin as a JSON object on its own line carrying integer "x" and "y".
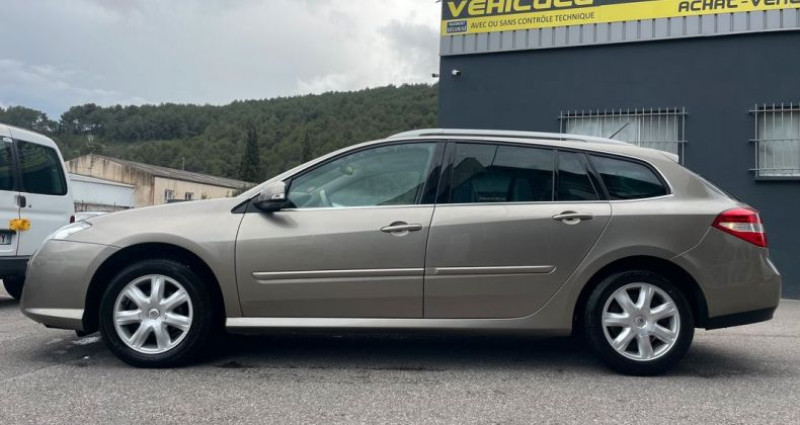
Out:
{"x": 741, "y": 375}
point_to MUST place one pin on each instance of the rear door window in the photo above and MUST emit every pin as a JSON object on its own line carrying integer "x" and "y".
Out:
{"x": 626, "y": 179}
{"x": 41, "y": 169}
{"x": 574, "y": 182}
{"x": 498, "y": 173}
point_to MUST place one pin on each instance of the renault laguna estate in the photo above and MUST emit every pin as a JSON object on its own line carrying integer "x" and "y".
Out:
{"x": 445, "y": 230}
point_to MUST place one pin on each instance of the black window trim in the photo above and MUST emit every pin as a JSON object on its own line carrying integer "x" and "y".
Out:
{"x": 599, "y": 190}
{"x": 16, "y": 184}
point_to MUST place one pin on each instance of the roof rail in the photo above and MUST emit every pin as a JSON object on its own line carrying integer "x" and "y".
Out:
{"x": 459, "y": 132}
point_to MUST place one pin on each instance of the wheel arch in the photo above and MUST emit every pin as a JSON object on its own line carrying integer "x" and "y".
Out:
{"x": 675, "y": 273}
{"x": 135, "y": 253}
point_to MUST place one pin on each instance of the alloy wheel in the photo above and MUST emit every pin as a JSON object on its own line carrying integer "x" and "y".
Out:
{"x": 152, "y": 314}
{"x": 641, "y": 321}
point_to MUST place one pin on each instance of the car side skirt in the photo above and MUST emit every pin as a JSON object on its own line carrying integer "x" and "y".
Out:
{"x": 251, "y": 325}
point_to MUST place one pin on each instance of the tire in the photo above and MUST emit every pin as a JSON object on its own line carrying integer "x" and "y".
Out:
{"x": 666, "y": 325}
{"x": 13, "y": 286}
{"x": 153, "y": 332}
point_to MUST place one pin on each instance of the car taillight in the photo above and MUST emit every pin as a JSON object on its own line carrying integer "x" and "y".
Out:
{"x": 744, "y": 223}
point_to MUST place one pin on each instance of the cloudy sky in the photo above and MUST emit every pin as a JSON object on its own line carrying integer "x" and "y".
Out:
{"x": 55, "y": 54}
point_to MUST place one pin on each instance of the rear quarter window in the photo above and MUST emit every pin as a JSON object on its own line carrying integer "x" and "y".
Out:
{"x": 626, "y": 179}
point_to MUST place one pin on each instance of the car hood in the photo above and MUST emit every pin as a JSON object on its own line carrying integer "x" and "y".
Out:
{"x": 178, "y": 223}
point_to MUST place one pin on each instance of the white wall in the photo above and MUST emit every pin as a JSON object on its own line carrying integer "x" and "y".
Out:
{"x": 98, "y": 192}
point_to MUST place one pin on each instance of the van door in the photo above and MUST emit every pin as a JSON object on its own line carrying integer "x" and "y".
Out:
{"x": 9, "y": 208}
{"x": 44, "y": 196}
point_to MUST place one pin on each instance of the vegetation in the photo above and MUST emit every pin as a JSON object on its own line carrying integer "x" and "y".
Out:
{"x": 280, "y": 133}
{"x": 250, "y": 170}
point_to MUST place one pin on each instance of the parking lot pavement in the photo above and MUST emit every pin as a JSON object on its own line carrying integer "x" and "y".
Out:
{"x": 742, "y": 375}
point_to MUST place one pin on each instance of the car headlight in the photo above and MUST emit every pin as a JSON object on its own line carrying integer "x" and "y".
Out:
{"x": 68, "y": 230}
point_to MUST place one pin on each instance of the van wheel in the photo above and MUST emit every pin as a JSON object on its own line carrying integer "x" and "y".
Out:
{"x": 638, "y": 323}
{"x": 13, "y": 286}
{"x": 157, "y": 313}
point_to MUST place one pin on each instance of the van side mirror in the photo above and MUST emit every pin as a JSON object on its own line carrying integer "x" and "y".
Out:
{"x": 272, "y": 198}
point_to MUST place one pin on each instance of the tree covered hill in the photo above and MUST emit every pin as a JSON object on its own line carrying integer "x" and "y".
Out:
{"x": 211, "y": 139}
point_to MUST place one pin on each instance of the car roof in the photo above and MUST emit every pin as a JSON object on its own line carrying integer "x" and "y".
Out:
{"x": 26, "y": 135}
{"x": 463, "y": 132}
{"x": 574, "y": 141}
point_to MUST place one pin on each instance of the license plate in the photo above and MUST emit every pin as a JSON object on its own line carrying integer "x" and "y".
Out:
{"x": 5, "y": 238}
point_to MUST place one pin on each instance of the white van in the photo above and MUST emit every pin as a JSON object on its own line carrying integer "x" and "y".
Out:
{"x": 35, "y": 200}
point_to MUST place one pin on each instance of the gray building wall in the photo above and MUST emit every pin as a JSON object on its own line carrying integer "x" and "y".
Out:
{"x": 718, "y": 80}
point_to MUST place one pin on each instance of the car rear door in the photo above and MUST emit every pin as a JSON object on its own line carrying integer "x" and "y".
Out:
{"x": 512, "y": 224}
{"x": 352, "y": 243}
{"x": 45, "y": 200}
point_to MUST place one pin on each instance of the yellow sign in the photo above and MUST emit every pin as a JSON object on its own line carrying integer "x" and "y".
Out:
{"x": 19, "y": 224}
{"x": 482, "y": 16}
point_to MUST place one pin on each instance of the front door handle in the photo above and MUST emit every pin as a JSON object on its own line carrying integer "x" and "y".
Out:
{"x": 401, "y": 227}
{"x": 572, "y": 217}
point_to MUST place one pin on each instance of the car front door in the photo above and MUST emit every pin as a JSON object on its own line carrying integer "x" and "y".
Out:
{"x": 512, "y": 226}
{"x": 351, "y": 242}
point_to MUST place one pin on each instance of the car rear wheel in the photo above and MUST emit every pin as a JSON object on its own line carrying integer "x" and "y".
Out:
{"x": 157, "y": 313}
{"x": 13, "y": 286}
{"x": 639, "y": 323}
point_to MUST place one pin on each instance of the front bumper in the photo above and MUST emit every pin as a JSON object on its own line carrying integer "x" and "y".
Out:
{"x": 13, "y": 266}
{"x": 57, "y": 282}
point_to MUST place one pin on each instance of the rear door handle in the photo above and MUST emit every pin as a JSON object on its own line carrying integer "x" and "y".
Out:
{"x": 572, "y": 217}
{"x": 401, "y": 227}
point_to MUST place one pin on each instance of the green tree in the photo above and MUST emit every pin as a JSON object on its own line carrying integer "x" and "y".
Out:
{"x": 308, "y": 152}
{"x": 250, "y": 170}
{"x": 289, "y": 130}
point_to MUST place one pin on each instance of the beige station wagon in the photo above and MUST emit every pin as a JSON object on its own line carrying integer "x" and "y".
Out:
{"x": 495, "y": 231}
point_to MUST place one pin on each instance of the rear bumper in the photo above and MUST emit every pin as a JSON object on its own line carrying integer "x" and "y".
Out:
{"x": 13, "y": 266}
{"x": 740, "y": 285}
{"x": 738, "y": 319}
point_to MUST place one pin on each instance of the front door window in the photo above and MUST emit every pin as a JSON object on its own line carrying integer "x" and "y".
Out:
{"x": 387, "y": 175}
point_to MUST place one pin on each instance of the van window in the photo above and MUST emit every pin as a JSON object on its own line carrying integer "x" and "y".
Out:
{"x": 41, "y": 169}
{"x": 496, "y": 173}
{"x": 628, "y": 179}
{"x": 6, "y": 172}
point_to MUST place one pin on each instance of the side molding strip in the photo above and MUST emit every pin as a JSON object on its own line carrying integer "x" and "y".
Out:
{"x": 454, "y": 271}
{"x": 331, "y": 274}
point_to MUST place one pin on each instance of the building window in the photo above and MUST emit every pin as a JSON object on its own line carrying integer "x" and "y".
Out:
{"x": 777, "y": 140}
{"x": 661, "y": 129}
{"x": 188, "y": 196}
{"x": 169, "y": 195}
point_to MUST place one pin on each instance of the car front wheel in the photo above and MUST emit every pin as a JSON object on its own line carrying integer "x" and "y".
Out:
{"x": 157, "y": 313}
{"x": 639, "y": 323}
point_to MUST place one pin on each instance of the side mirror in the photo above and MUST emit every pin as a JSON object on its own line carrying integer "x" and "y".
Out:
{"x": 272, "y": 198}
